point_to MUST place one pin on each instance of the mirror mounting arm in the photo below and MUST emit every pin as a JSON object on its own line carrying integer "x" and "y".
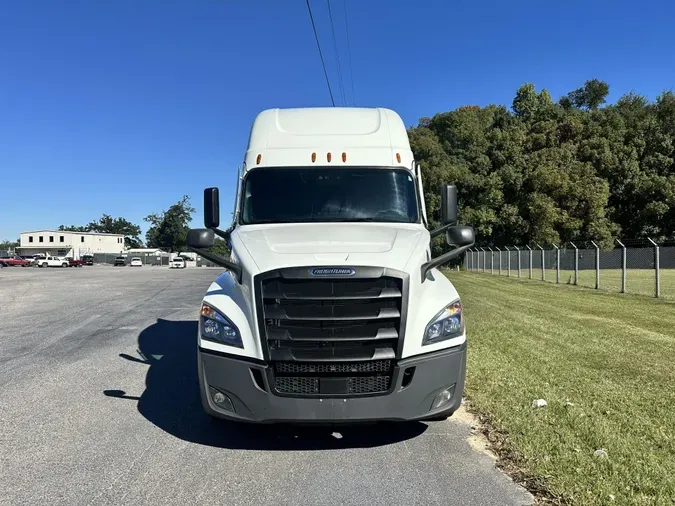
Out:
{"x": 225, "y": 234}
{"x": 218, "y": 260}
{"x": 445, "y": 258}
{"x": 440, "y": 230}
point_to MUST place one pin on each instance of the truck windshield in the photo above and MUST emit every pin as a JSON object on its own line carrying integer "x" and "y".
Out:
{"x": 321, "y": 194}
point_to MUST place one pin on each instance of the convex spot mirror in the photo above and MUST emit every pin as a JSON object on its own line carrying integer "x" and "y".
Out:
{"x": 460, "y": 236}
{"x": 201, "y": 238}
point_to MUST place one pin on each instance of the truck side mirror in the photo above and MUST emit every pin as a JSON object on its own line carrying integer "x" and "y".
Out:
{"x": 448, "y": 204}
{"x": 460, "y": 236}
{"x": 200, "y": 238}
{"x": 211, "y": 208}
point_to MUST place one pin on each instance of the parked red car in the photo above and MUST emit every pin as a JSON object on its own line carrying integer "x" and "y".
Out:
{"x": 15, "y": 260}
{"x": 75, "y": 263}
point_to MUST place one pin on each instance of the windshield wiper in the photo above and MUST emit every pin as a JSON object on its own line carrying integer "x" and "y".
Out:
{"x": 370, "y": 220}
{"x": 327, "y": 220}
{"x": 272, "y": 220}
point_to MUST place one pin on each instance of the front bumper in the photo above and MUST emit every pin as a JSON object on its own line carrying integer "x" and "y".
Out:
{"x": 434, "y": 372}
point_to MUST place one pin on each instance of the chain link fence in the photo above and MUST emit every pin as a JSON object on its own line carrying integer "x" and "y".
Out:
{"x": 150, "y": 259}
{"x": 640, "y": 267}
{"x": 147, "y": 259}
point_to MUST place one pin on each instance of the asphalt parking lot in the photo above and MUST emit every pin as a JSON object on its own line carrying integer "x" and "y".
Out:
{"x": 99, "y": 404}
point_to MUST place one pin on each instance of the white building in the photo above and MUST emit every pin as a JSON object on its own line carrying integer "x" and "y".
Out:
{"x": 69, "y": 243}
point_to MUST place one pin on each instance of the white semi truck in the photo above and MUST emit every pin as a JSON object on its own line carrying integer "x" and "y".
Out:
{"x": 331, "y": 308}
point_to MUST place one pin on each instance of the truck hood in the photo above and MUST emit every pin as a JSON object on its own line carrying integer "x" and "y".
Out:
{"x": 286, "y": 245}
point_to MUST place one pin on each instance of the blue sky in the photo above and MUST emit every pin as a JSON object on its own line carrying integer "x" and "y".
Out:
{"x": 123, "y": 106}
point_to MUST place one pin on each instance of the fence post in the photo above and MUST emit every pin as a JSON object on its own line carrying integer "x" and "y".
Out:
{"x": 576, "y": 263}
{"x": 492, "y": 261}
{"x": 518, "y": 250}
{"x": 484, "y": 259}
{"x": 508, "y": 261}
{"x": 657, "y": 288}
{"x": 530, "y": 250}
{"x": 557, "y": 264}
{"x": 543, "y": 271}
{"x": 597, "y": 265}
{"x": 500, "y": 260}
{"x": 623, "y": 267}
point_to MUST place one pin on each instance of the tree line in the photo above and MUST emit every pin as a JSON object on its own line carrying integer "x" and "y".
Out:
{"x": 551, "y": 172}
{"x": 168, "y": 229}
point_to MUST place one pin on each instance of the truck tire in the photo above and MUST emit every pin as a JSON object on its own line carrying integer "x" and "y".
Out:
{"x": 41, "y": 265}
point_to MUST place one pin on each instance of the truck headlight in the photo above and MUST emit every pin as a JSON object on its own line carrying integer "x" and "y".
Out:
{"x": 215, "y": 327}
{"x": 447, "y": 324}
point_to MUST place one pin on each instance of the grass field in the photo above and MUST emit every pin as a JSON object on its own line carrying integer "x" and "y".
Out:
{"x": 638, "y": 281}
{"x": 604, "y": 364}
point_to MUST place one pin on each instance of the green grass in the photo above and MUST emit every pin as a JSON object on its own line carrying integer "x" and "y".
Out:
{"x": 638, "y": 281}
{"x": 610, "y": 355}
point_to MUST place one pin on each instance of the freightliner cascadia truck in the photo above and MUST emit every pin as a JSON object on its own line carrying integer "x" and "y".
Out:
{"x": 330, "y": 308}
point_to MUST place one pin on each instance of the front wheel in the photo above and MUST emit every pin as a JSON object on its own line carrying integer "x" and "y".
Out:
{"x": 64, "y": 265}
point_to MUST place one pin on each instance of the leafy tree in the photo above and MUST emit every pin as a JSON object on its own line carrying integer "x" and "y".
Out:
{"x": 168, "y": 229}
{"x": 75, "y": 228}
{"x": 220, "y": 247}
{"x": 555, "y": 172}
{"x": 592, "y": 95}
{"x": 9, "y": 245}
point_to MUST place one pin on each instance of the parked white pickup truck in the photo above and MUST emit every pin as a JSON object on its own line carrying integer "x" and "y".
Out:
{"x": 50, "y": 261}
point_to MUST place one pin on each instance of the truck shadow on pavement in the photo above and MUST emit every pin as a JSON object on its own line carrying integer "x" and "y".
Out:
{"x": 172, "y": 402}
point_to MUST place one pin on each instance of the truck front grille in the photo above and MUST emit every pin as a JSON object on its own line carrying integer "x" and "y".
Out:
{"x": 331, "y": 335}
{"x": 373, "y": 366}
{"x": 309, "y": 385}
{"x": 296, "y": 385}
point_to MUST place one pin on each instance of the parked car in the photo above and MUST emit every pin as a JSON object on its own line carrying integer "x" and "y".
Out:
{"x": 15, "y": 260}
{"x": 136, "y": 262}
{"x": 88, "y": 259}
{"x": 75, "y": 263}
{"x": 119, "y": 261}
{"x": 177, "y": 263}
{"x": 50, "y": 261}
